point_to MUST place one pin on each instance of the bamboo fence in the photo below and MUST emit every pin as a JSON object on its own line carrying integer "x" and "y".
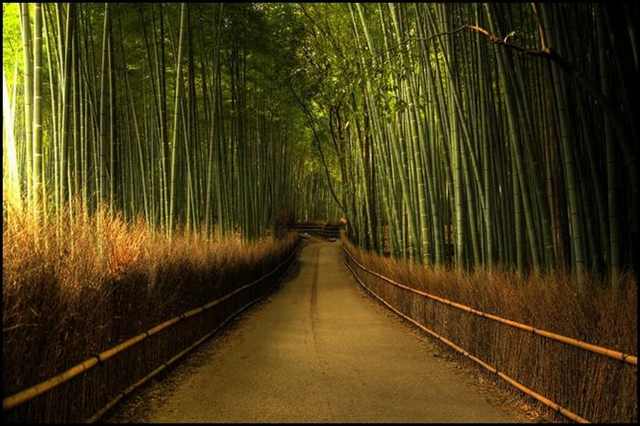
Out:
{"x": 36, "y": 404}
{"x": 585, "y": 346}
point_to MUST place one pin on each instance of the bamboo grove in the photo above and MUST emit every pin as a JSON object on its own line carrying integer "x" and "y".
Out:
{"x": 173, "y": 112}
{"x": 471, "y": 135}
{"x": 482, "y": 134}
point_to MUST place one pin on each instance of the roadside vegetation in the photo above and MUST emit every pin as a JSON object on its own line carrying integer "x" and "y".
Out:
{"x": 71, "y": 295}
{"x": 602, "y": 389}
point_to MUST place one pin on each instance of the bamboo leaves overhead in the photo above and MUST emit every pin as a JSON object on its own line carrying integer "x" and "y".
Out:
{"x": 491, "y": 142}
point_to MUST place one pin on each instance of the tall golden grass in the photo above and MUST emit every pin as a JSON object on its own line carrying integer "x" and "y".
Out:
{"x": 598, "y": 388}
{"x": 73, "y": 290}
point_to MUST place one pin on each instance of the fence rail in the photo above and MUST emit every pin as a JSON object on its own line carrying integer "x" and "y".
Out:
{"x": 610, "y": 353}
{"x": 620, "y": 356}
{"x": 22, "y": 397}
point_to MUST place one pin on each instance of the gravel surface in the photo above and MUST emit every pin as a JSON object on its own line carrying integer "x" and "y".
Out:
{"x": 320, "y": 350}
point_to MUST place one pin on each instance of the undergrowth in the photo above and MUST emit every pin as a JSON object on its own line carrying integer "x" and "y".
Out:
{"x": 73, "y": 289}
{"x": 591, "y": 385}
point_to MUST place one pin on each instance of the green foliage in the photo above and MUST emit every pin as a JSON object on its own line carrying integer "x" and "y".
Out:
{"x": 444, "y": 123}
{"x": 11, "y": 40}
{"x": 415, "y": 125}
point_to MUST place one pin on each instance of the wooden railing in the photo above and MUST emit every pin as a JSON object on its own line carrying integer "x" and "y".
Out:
{"x": 610, "y": 353}
{"x": 36, "y": 404}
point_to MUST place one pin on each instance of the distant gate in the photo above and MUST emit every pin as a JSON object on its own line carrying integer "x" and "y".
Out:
{"x": 319, "y": 229}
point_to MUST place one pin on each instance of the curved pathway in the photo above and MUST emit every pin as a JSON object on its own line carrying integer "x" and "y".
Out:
{"x": 318, "y": 349}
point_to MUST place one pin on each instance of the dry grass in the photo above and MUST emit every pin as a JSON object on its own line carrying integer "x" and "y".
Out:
{"x": 598, "y": 388}
{"x": 70, "y": 294}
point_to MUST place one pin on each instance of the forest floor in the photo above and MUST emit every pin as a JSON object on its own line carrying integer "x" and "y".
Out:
{"x": 321, "y": 350}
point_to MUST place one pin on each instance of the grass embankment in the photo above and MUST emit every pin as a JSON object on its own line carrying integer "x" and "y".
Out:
{"x": 72, "y": 292}
{"x": 591, "y": 385}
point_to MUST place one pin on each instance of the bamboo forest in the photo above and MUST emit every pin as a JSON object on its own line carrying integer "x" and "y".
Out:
{"x": 325, "y": 212}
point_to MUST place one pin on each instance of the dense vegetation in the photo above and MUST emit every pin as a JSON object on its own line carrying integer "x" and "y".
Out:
{"x": 482, "y": 134}
{"x": 469, "y": 134}
{"x": 178, "y": 113}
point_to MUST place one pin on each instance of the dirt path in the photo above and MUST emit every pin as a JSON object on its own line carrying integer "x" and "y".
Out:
{"x": 316, "y": 350}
